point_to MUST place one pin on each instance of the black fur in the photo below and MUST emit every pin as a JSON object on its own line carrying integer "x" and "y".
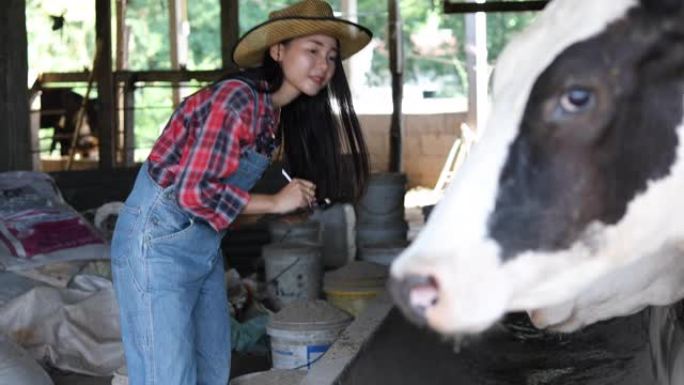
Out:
{"x": 570, "y": 167}
{"x": 662, "y": 6}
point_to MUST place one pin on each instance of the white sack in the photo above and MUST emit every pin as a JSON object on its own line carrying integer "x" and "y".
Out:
{"x": 73, "y": 330}
{"x": 17, "y": 367}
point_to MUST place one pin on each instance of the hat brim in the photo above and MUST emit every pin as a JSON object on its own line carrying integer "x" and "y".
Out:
{"x": 249, "y": 51}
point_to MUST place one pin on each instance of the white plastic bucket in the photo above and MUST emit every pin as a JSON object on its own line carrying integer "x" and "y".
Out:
{"x": 303, "y": 331}
{"x": 338, "y": 237}
{"x": 295, "y": 232}
{"x": 270, "y": 377}
{"x": 293, "y": 271}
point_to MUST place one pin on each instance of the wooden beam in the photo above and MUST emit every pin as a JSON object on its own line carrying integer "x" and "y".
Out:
{"x": 169, "y": 76}
{"x": 350, "y": 10}
{"x": 494, "y": 6}
{"x": 105, "y": 84}
{"x": 137, "y": 76}
{"x": 230, "y": 31}
{"x": 477, "y": 66}
{"x": 397, "y": 70}
{"x": 122, "y": 36}
{"x": 129, "y": 124}
{"x": 178, "y": 41}
{"x": 64, "y": 77}
{"x": 34, "y": 123}
{"x": 15, "y": 133}
{"x": 122, "y": 33}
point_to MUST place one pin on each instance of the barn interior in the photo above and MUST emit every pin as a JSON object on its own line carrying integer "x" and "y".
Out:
{"x": 57, "y": 310}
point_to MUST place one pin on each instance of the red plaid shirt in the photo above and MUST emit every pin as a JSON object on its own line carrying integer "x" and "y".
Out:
{"x": 201, "y": 146}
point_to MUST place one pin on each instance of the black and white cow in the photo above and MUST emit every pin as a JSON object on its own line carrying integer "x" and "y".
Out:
{"x": 571, "y": 207}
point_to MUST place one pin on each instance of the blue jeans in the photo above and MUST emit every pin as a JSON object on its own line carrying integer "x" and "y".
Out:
{"x": 169, "y": 281}
{"x": 168, "y": 277}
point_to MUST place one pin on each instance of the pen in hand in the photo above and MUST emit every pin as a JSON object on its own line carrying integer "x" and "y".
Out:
{"x": 324, "y": 203}
{"x": 286, "y": 175}
{"x": 289, "y": 178}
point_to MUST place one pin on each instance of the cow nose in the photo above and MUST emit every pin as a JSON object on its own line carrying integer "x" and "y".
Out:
{"x": 414, "y": 294}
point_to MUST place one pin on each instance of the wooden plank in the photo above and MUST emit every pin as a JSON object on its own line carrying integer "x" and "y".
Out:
{"x": 230, "y": 31}
{"x": 169, "y": 76}
{"x": 84, "y": 104}
{"x": 129, "y": 124}
{"x": 477, "y": 67}
{"x": 64, "y": 77}
{"x": 137, "y": 76}
{"x": 34, "y": 123}
{"x": 178, "y": 44}
{"x": 105, "y": 84}
{"x": 494, "y": 6}
{"x": 15, "y": 133}
{"x": 121, "y": 35}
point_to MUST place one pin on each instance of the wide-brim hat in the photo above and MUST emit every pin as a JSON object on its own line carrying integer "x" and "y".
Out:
{"x": 304, "y": 18}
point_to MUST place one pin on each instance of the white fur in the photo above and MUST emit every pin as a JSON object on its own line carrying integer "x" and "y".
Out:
{"x": 590, "y": 281}
{"x": 655, "y": 279}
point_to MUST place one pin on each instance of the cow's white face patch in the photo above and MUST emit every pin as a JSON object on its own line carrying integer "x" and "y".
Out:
{"x": 530, "y": 221}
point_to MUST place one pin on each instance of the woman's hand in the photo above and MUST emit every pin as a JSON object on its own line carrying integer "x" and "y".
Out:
{"x": 299, "y": 193}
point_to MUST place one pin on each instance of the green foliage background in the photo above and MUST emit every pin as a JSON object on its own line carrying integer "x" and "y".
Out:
{"x": 72, "y": 47}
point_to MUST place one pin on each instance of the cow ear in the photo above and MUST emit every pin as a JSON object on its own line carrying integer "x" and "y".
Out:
{"x": 663, "y": 6}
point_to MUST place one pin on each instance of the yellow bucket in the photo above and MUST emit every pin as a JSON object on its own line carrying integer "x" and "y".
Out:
{"x": 353, "y": 286}
{"x": 351, "y": 301}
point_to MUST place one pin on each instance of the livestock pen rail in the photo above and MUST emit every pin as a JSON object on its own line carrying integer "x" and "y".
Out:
{"x": 63, "y": 102}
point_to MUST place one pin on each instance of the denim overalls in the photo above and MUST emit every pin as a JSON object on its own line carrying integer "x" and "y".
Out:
{"x": 169, "y": 280}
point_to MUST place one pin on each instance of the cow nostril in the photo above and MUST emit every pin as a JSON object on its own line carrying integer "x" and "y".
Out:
{"x": 424, "y": 294}
{"x": 415, "y": 294}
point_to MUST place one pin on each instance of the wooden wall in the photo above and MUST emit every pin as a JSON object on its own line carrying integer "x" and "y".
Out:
{"x": 15, "y": 151}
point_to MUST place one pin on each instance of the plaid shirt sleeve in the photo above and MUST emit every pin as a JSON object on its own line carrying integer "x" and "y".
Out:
{"x": 212, "y": 154}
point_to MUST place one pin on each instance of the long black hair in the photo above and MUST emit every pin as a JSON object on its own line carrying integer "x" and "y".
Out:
{"x": 321, "y": 143}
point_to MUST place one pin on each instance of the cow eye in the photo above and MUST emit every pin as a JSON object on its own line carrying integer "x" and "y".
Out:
{"x": 576, "y": 100}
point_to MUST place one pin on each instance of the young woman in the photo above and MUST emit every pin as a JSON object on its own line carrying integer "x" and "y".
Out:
{"x": 167, "y": 266}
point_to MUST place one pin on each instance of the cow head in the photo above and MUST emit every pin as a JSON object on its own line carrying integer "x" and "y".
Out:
{"x": 575, "y": 184}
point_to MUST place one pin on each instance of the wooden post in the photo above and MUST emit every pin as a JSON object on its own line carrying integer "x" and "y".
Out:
{"x": 178, "y": 41}
{"x": 351, "y": 65}
{"x": 15, "y": 134}
{"x": 82, "y": 110}
{"x": 129, "y": 123}
{"x": 230, "y": 32}
{"x": 478, "y": 68}
{"x": 34, "y": 122}
{"x": 122, "y": 38}
{"x": 122, "y": 33}
{"x": 105, "y": 84}
{"x": 397, "y": 69}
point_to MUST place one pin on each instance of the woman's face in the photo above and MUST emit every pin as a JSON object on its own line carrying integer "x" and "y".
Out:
{"x": 308, "y": 62}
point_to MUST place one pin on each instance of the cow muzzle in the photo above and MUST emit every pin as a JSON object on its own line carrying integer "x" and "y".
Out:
{"x": 415, "y": 294}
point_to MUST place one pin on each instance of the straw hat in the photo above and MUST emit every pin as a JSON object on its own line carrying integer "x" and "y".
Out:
{"x": 303, "y": 18}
